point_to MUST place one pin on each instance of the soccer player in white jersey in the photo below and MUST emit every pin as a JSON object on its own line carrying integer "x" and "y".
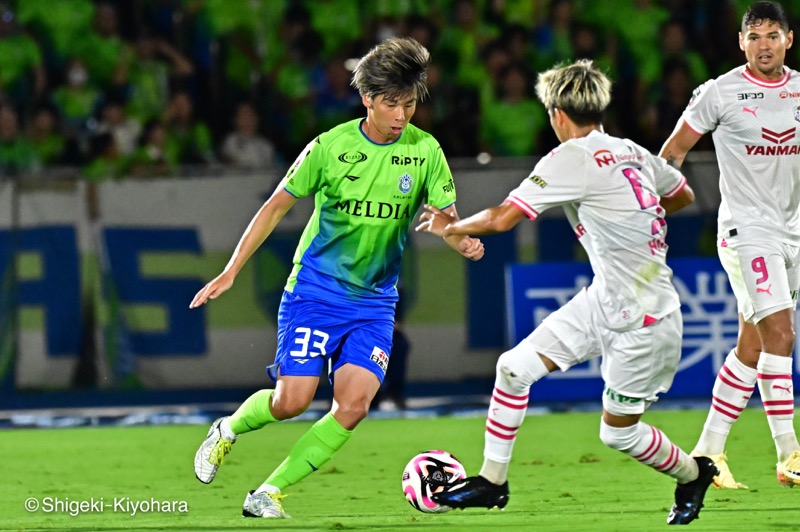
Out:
{"x": 368, "y": 177}
{"x": 615, "y": 195}
{"x": 754, "y": 114}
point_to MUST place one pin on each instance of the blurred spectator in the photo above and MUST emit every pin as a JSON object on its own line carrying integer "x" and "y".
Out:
{"x": 22, "y": 74}
{"x": 124, "y": 129}
{"x": 337, "y": 101}
{"x": 104, "y": 52}
{"x": 248, "y": 31}
{"x": 77, "y": 101}
{"x": 188, "y": 139}
{"x": 423, "y": 30}
{"x": 461, "y": 43}
{"x": 17, "y": 156}
{"x": 338, "y": 22}
{"x": 105, "y": 162}
{"x": 244, "y": 147}
{"x": 152, "y": 158}
{"x": 674, "y": 46}
{"x": 47, "y": 142}
{"x": 552, "y": 37}
{"x": 297, "y": 81}
{"x": 157, "y": 62}
{"x": 511, "y": 123}
{"x": 517, "y": 41}
{"x": 395, "y": 9}
{"x": 496, "y": 59}
{"x": 58, "y": 25}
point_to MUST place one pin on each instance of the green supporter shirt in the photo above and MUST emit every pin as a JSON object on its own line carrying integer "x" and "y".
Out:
{"x": 366, "y": 196}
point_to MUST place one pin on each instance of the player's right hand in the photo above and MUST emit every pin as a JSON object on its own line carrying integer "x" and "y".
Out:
{"x": 212, "y": 290}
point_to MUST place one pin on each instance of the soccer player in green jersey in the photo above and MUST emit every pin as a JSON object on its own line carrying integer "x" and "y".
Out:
{"x": 368, "y": 178}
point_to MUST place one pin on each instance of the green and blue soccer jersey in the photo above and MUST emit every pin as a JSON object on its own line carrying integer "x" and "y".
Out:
{"x": 366, "y": 196}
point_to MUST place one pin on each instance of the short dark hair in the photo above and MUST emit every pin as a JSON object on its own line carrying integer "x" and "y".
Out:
{"x": 763, "y": 11}
{"x": 395, "y": 68}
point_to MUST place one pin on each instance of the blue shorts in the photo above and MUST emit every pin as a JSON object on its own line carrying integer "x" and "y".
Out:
{"x": 311, "y": 332}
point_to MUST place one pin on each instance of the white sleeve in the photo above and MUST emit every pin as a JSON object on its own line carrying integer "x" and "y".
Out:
{"x": 558, "y": 179}
{"x": 703, "y": 112}
{"x": 669, "y": 181}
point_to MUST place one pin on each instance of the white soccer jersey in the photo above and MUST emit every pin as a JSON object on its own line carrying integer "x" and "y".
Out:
{"x": 610, "y": 188}
{"x": 754, "y": 124}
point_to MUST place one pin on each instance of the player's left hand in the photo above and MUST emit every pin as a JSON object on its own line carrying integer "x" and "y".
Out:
{"x": 434, "y": 220}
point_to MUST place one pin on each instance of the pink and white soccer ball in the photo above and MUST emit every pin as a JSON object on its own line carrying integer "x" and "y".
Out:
{"x": 428, "y": 473}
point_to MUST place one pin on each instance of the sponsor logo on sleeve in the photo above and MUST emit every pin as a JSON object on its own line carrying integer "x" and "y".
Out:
{"x": 537, "y": 180}
{"x": 449, "y": 187}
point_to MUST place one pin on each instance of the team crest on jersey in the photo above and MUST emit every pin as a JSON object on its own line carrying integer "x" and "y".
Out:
{"x": 404, "y": 183}
{"x": 797, "y": 113}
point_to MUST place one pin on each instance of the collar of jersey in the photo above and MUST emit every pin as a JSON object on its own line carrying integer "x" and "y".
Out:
{"x": 372, "y": 141}
{"x": 768, "y": 84}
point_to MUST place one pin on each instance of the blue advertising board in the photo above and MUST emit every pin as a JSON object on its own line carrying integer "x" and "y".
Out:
{"x": 708, "y": 306}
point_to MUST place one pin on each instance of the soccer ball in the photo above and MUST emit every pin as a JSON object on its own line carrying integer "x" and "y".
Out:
{"x": 428, "y": 473}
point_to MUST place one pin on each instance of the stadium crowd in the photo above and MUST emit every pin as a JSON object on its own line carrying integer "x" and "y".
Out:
{"x": 157, "y": 87}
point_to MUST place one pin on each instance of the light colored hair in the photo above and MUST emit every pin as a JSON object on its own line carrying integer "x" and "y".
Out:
{"x": 581, "y": 90}
{"x": 397, "y": 67}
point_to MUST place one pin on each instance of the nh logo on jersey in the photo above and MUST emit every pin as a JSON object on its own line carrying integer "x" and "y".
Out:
{"x": 380, "y": 357}
{"x": 603, "y": 157}
{"x": 786, "y": 94}
{"x": 404, "y": 183}
{"x": 352, "y": 157}
{"x": 776, "y": 137}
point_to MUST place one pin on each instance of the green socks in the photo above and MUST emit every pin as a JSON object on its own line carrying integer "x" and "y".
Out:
{"x": 310, "y": 452}
{"x": 253, "y": 414}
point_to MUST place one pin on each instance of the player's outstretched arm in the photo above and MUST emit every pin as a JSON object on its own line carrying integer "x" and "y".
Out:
{"x": 260, "y": 227}
{"x": 682, "y": 139}
{"x": 487, "y": 222}
{"x": 468, "y": 247}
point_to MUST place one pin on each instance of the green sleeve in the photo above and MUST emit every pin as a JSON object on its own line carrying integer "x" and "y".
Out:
{"x": 305, "y": 175}
{"x": 441, "y": 190}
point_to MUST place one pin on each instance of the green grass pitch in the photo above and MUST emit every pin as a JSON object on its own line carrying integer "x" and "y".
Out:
{"x": 562, "y": 478}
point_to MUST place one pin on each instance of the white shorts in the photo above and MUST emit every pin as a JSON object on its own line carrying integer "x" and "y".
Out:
{"x": 636, "y": 365}
{"x": 764, "y": 275}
